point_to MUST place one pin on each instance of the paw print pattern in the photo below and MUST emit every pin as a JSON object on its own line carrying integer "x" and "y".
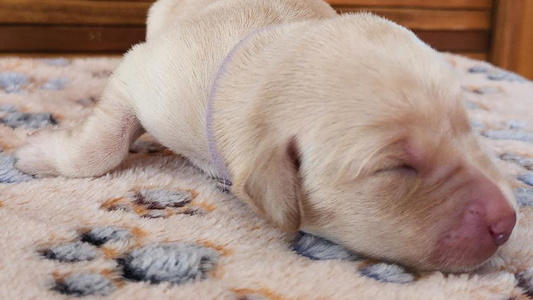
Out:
{"x": 526, "y": 178}
{"x": 477, "y": 125}
{"x": 479, "y": 69}
{"x": 484, "y": 90}
{"x": 474, "y": 103}
{"x": 12, "y": 117}
{"x": 71, "y": 252}
{"x": 513, "y": 129}
{"x": 7, "y": 108}
{"x": 102, "y": 235}
{"x": 523, "y": 161}
{"x": 317, "y": 248}
{"x": 516, "y": 124}
{"x": 496, "y": 74}
{"x": 524, "y": 196}
{"x": 250, "y": 294}
{"x": 90, "y": 244}
{"x": 84, "y": 284}
{"x": 12, "y": 82}
{"x": 175, "y": 263}
{"x": 28, "y": 120}
{"x": 388, "y": 273}
{"x": 8, "y": 172}
{"x": 55, "y": 84}
{"x": 470, "y": 105}
{"x": 161, "y": 199}
{"x": 507, "y": 134}
{"x": 159, "y": 203}
{"x": 525, "y": 281}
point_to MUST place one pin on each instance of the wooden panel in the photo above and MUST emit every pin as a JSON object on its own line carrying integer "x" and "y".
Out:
{"x": 456, "y": 41}
{"x": 73, "y": 12}
{"x": 69, "y": 39}
{"x": 113, "y": 26}
{"x": 70, "y": 12}
{"x": 432, "y": 19}
{"x": 79, "y": 54}
{"x": 151, "y": 1}
{"x": 506, "y": 38}
{"x": 475, "y": 55}
{"x": 119, "y": 39}
{"x": 449, "y": 4}
{"x": 525, "y": 54}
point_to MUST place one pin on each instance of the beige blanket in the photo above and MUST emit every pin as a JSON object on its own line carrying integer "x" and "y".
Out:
{"x": 157, "y": 228}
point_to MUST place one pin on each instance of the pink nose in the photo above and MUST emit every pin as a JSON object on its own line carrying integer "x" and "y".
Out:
{"x": 488, "y": 223}
{"x": 489, "y": 218}
{"x": 502, "y": 229}
{"x": 490, "y": 210}
{"x": 485, "y": 223}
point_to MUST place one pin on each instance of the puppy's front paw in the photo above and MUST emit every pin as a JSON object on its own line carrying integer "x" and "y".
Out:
{"x": 38, "y": 156}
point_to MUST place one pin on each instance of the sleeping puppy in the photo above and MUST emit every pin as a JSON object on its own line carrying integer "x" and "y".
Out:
{"x": 347, "y": 127}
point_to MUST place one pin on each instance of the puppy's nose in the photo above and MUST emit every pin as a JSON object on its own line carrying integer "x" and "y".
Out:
{"x": 499, "y": 216}
{"x": 490, "y": 217}
{"x": 486, "y": 223}
{"x": 502, "y": 229}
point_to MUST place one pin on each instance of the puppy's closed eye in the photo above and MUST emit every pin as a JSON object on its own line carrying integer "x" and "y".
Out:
{"x": 403, "y": 169}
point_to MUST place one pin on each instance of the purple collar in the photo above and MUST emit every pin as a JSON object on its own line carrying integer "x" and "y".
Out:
{"x": 214, "y": 153}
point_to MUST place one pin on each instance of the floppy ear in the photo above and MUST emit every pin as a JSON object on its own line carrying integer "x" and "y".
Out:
{"x": 273, "y": 185}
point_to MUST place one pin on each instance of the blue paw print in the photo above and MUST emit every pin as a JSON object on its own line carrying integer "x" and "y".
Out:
{"x": 175, "y": 263}
{"x": 8, "y": 172}
{"x": 12, "y": 82}
{"x": 55, "y": 84}
{"x": 317, "y": 248}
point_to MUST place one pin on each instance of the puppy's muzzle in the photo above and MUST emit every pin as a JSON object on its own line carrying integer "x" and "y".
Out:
{"x": 487, "y": 222}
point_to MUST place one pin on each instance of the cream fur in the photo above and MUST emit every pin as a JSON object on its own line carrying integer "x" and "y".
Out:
{"x": 313, "y": 117}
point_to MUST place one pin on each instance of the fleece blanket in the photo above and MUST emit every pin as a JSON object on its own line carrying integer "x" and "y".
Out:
{"x": 157, "y": 228}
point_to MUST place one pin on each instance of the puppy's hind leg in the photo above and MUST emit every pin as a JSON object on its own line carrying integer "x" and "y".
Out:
{"x": 92, "y": 148}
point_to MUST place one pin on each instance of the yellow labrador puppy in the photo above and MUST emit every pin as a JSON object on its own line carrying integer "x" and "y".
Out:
{"x": 347, "y": 127}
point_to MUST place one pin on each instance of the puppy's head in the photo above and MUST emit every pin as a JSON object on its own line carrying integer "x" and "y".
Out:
{"x": 373, "y": 150}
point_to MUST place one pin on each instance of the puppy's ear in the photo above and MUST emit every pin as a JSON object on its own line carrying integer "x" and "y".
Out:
{"x": 274, "y": 184}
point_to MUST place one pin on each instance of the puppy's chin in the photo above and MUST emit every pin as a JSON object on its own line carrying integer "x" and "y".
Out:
{"x": 456, "y": 266}
{"x": 454, "y": 256}
{"x": 442, "y": 260}
{"x": 452, "y": 266}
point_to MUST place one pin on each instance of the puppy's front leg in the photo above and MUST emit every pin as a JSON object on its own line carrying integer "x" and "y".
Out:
{"x": 92, "y": 148}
